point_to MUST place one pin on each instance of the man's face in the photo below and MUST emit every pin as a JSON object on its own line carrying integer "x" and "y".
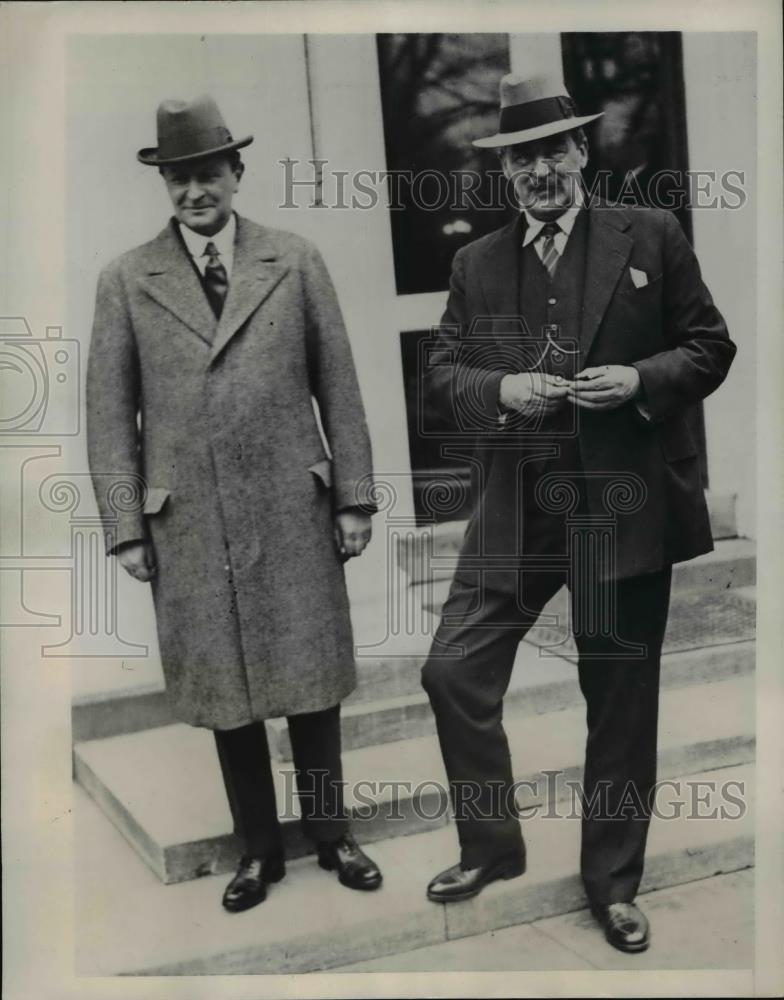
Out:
{"x": 545, "y": 173}
{"x": 201, "y": 192}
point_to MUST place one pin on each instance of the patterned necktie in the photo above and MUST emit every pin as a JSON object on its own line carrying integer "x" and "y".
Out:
{"x": 216, "y": 281}
{"x": 550, "y": 255}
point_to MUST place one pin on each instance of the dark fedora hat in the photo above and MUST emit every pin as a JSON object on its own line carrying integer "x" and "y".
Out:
{"x": 533, "y": 109}
{"x": 190, "y": 130}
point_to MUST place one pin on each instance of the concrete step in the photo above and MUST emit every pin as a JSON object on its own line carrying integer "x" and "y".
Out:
{"x": 709, "y": 635}
{"x": 419, "y": 550}
{"x": 732, "y": 564}
{"x": 163, "y": 790}
{"x": 310, "y": 922}
{"x": 395, "y": 673}
{"x": 539, "y": 684}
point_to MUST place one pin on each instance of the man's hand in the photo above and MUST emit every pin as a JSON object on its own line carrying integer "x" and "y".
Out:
{"x": 604, "y": 388}
{"x": 138, "y": 559}
{"x": 532, "y": 393}
{"x": 352, "y": 532}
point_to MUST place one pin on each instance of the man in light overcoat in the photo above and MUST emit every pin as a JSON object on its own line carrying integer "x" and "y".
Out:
{"x": 575, "y": 341}
{"x": 210, "y": 345}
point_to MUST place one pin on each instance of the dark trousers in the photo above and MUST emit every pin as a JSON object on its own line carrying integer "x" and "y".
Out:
{"x": 620, "y": 687}
{"x": 247, "y": 774}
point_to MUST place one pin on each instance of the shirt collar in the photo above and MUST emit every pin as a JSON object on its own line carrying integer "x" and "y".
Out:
{"x": 565, "y": 222}
{"x": 224, "y": 240}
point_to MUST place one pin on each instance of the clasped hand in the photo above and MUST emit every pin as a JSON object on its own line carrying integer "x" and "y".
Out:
{"x": 536, "y": 393}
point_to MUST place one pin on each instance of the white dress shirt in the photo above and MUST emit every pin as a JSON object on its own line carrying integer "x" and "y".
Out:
{"x": 565, "y": 224}
{"x": 224, "y": 244}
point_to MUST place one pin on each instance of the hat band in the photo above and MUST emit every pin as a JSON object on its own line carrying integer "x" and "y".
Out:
{"x": 518, "y": 117}
{"x": 188, "y": 142}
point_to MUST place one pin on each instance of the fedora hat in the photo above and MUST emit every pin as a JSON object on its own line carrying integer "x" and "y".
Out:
{"x": 189, "y": 130}
{"x": 533, "y": 109}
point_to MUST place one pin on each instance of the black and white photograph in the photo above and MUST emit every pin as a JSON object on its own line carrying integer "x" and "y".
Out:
{"x": 391, "y": 500}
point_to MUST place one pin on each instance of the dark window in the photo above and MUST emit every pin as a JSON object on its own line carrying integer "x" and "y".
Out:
{"x": 438, "y": 92}
{"x": 636, "y": 80}
{"x": 441, "y": 91}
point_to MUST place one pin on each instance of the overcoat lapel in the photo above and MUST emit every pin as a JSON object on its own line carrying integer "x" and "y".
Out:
{"x": 255, "y": 272}
{"x": 609, "y": 247}
{"x": 172, "y": 281}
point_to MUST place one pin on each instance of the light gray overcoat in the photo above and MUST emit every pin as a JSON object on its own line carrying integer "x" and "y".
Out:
{"x": 238, "y": 492}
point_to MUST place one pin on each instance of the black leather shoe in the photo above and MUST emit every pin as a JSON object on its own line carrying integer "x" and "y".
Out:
{"x": 249, "y": 886}
{"x": 355, "y": 869}
{"x": 625, "y": 926}
{"x": 458, "y": 883}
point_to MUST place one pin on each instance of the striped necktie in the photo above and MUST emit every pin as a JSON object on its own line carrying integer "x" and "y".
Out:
{"x": 550, "y": 255}
{"x": 216, "y": 281}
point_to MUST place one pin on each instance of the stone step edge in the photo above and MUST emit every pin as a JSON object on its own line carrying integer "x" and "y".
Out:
{"x": 523, "y": 699}
{"x": 173, "y": 864}
{"x": 504, "y": 904}
{"x": 114, "y": 713}
{"x": 184, "y": 860}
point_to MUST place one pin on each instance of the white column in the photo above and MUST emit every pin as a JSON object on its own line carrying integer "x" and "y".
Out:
{"x": 357, "y": 245}
{"x": 720, "y": 74}
{"x": 536, "y": 53}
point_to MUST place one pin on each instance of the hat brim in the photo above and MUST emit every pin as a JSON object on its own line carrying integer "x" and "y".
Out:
{"x": 151, "y": 158}
{"x": 532, "y": 134}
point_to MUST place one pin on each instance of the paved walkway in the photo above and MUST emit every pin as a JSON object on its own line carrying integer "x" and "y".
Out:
{"x": 706, "y": 924}
{"x": 700, "y": 925}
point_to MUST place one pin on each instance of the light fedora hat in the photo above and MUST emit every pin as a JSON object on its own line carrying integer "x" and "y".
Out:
{"x": 189, "y": 130}
{"x": 533, "y": 108}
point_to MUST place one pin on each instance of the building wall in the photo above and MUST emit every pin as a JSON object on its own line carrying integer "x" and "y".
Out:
{"x": 318, "y": 96}
{"x": 721, "y": 111}
{"x": 719, "y": 72}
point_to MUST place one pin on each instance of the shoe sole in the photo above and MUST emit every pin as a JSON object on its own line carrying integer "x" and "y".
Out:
{"x": 632, "y": 949}
{"x": 506, "y": 873}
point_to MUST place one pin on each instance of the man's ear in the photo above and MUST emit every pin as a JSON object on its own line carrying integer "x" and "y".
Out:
{"x": 239, "y": 171}
{"x": 582, "y": 148}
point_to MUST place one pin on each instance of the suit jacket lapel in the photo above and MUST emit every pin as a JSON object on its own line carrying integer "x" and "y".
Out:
{"x": 255, "y": 272}
{"x": 173, "y": 282}
{"x": 500, "y": 275}
{"x": 609, "y": 247}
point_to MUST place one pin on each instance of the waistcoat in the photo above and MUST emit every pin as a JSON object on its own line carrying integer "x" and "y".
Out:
{"x": 552, "y": 310}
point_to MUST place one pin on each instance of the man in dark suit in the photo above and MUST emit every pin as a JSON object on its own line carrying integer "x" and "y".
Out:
{"x": 573, "y": 343}
{"x": 210, "y": 344}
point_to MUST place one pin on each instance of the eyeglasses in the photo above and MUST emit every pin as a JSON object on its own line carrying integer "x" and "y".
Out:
{"x": 526, "y": 159}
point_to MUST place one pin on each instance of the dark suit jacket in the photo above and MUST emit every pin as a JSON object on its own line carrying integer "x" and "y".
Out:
{"x": 643, "y": 474}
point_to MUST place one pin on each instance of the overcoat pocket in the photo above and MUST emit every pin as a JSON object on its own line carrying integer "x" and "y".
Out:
{"x": 322, "y": 470}
{"x": 155, "y": 499}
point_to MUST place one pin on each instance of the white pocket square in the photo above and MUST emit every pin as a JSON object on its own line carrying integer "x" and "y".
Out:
{"x": 639, "y": 278}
